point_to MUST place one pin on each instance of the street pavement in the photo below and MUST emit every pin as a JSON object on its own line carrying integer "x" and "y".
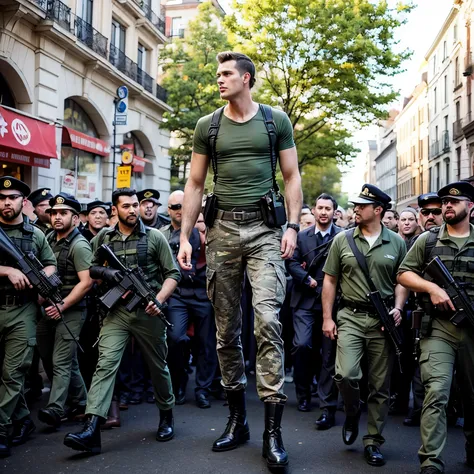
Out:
{"x": 133, "y": 449}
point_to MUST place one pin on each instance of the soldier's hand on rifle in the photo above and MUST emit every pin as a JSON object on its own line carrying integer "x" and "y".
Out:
{"x": 152, "y": 309}
{"x": 440, "y": 299}
{"x": 397, "y": 316}
{"x": 329, "y": 328}
{"x": 53, "y": 311}
{"x": 18, "y": 279}
{"x": 312, "y": 283}
{"x": 184, "y": 255}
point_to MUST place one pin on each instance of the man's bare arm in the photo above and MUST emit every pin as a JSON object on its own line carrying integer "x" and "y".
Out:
{"x": 328, "y": 298}
{"x": 193, "y": 191}
{"x": 292, "y": 179}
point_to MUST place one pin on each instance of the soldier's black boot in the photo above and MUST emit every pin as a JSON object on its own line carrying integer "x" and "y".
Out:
{"x": 166, "y": 427}
{"x": 22, "y": 430}
{"x": 350, "y": 429}
{"x": 4, "y": 447}
{"x": 237, "y": 430}
{"x": 88, "y": 439}
{"x": 273, "y": 450}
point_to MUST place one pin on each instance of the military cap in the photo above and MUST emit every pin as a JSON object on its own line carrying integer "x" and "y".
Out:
{"x": 9, "y": 182}
{"x": 370, "y": 194}
{"x": 64, "y": 201}
{"x": 40, "y": 195}
{"x": 428, "y": 198}
{"x": 149, "y": 195}
{"x": 457, "y": 190}
{"x": 93, "y": 204}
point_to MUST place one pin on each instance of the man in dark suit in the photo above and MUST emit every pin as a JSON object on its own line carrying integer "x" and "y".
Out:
{"x": 306, "y": 269}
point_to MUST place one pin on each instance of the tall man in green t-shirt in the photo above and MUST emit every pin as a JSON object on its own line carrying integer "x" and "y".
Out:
{"x": 239, "y": 240}
{"x": 359, "y": 329}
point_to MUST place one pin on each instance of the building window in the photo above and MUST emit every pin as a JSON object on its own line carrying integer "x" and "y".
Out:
{"x": 118, "y": 36}
{"x": 437, "y": 183}
{"x": 141, "y": 57}
{"x": 435, "y": 100}
{"x": 458, "y": 162}
{"x": 177, "y": 27}
{"x": 446, "y": 167}
{"x": 84, "y": 10}
{"x": 445, "y": 50}
{"x": 434, "y": 64}
{"x": 413, "y": 154}
{"x": 430, "y": 179}
{"x": 445, "y": 89}
{"x": 457, "y": 76}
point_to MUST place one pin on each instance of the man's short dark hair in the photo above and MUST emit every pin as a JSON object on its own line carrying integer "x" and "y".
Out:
{"x": 395, "y": 213}
{"x": 329, "y": 198}
{"x": 122, "y": 192}
{"x": 242, "y": 63}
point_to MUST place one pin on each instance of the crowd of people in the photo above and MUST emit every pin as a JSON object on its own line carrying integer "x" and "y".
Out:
{"x": 242, "y": 284}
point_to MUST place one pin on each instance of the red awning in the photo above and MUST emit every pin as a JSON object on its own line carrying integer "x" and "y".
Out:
{"x": 139, "y": 163}
{"x": 84, "y": 142}
{"x": 26, "y": 140}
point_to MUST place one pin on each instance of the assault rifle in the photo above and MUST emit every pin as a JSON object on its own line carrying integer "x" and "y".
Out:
{"x": 48, "y": 287}
{"x": 437, "y": 270}
{"x": 133, "y": 283}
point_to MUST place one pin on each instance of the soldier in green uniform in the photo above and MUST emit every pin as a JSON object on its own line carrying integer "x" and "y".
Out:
{"x": 358, "y": 328}
{"x": 57, "y": 347}
{"x": 40, "y": 201}
{"x": 444, "y": 346}
{"x": 18, "y": 309}
{"x": 135, "y": 245}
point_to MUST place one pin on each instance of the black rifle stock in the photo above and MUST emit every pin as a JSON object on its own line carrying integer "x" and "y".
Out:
{"x": 388, "y": 323}
{"x": 134, "y": 282}
{"x": 437, "y": 270}
{"x": 48, "y": 287}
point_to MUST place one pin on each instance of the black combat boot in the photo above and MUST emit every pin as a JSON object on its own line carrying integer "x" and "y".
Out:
{"x": 350, "y": 429}
{"x": 88, "y": 439}
{"x": 237, "y": 430}
{"x": 166, "y": 427}
{"x": 273, "y": 450}
{"x": 22, "y": 430}
{"x": 4, "y": 447}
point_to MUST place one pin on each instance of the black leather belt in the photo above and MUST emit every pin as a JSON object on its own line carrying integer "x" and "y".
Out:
{"x": 358, "y": 307}
{"x": 9, "y": 300}
{"x": 237, "y": 215}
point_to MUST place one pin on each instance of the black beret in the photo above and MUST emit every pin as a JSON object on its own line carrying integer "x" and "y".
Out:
{"x": 9, "y": 182}
{"x": 64, "y": 201}
{"x": 149, "y": 195}
{"x": 458, "y": 189}
{"x": 40, "y": 195}
{"x": 428, "y": 198}
{"x": 370, "y": 194}
{"x": 93, "y": 204}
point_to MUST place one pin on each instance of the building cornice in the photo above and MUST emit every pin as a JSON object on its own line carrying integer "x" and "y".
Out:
{"x": 447, "y": 23}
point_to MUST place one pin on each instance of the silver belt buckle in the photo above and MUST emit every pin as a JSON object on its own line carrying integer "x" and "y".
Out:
{"x": 238, "y": 216}
{"x": 10, "y": 300}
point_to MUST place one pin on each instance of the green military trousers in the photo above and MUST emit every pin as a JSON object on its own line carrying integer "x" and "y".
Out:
{"x": 18, "y": 337}
{"x": 58, "y": 352}
{"x": 446, "y": 348}
{"x": 150, "y": 334}
{"x": 232, "y": 248}
{"x": 359, "y": 333}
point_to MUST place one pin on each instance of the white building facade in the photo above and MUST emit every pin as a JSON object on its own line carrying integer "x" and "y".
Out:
{"x": 61, "y": 64}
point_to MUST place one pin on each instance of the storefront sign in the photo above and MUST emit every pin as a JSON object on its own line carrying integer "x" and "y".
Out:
{"x": 124, "y": 176}
{"x": 139, "y": 164}
{"x": 84, "y": 142}
{"x": 25, "y": 140}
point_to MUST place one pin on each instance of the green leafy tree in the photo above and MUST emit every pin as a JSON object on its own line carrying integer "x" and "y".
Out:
{"x": 190, "y": 78}
{"x": 324, "y": 62}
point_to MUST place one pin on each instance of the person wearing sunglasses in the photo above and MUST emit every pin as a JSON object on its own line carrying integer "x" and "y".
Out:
{"x": 430, "y": 214}
{"x": 189, "y": 303}
{"x": 444, "y": 345}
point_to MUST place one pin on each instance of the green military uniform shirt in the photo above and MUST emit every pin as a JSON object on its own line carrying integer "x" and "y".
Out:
{"x": 160, "y": 262}
{"x": 415, "y": 258}
{"x": 383, "y": 260}
{"x": 243, "y": 156}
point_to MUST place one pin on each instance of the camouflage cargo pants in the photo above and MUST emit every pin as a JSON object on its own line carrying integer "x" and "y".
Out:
{"x": 232, "y": 248}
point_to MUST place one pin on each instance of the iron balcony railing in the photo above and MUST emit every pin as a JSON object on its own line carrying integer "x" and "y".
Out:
{"x": 41, "y": 3}
{"x": 161, "y": 93}
{"x": 89, "y": 36}
{"x": 445, "y": 140}
{"x": 434, "y": 149}
{"x": 457, "y": 129}
{"x": 123, "y": 63}
{"x": 145, "y": 80}
{"x": 84, "y": 32}
{"x": 156, "y": 20}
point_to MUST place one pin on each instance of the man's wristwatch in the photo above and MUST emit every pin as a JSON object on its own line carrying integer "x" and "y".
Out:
{"x": 296, "y": 227}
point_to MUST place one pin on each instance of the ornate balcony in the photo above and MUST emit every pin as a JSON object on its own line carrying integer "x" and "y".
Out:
{"x": 123, "y": 63}
{"x": 161, "y": 93}
{"x": 89, "y": 36}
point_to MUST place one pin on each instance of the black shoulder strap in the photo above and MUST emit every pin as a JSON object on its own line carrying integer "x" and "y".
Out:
{"x": 273, "y": 137}
{"x": 360, "y": 258}
{"x": 212, "y": 138}
{"x": 430, "y": 243}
